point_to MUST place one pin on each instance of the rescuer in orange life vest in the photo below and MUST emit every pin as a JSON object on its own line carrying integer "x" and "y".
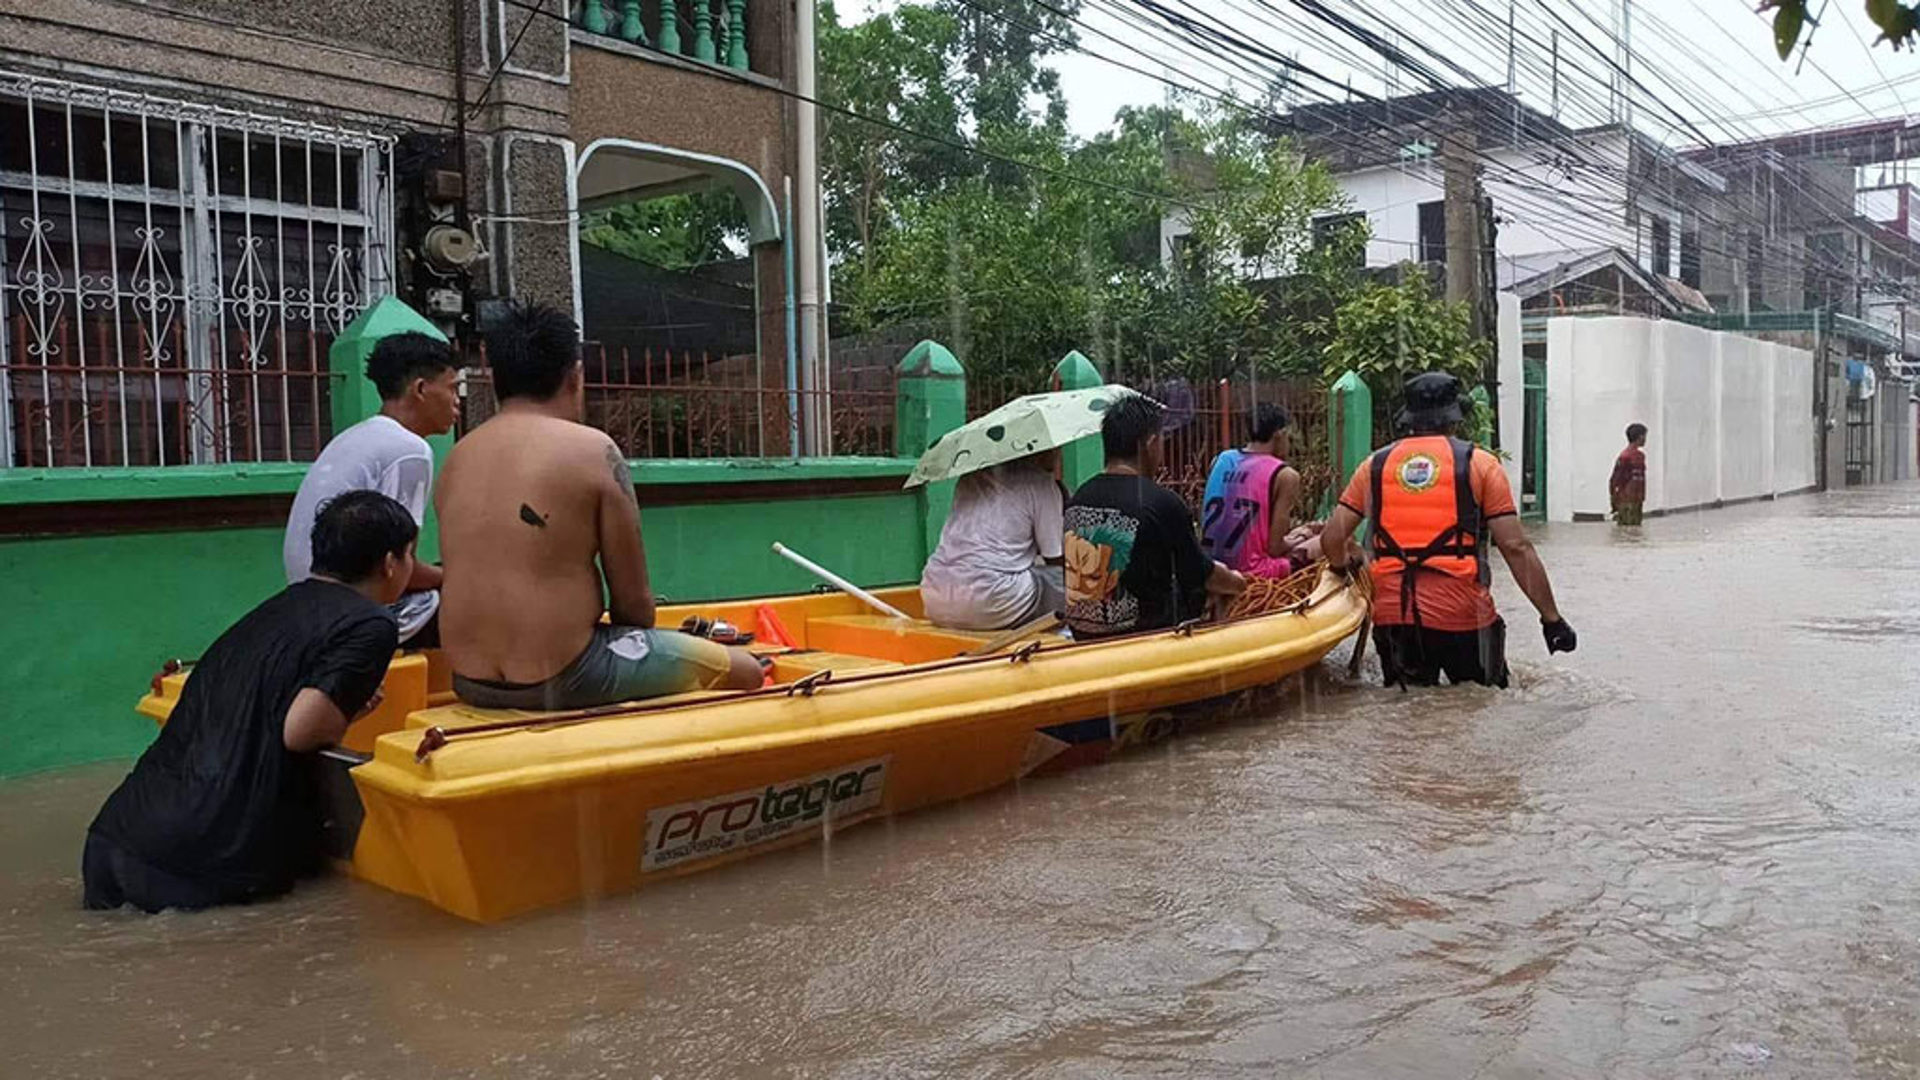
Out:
{"x": 1432, "y": 502}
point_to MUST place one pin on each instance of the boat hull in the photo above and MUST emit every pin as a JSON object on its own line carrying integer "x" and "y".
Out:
{"x": 496, "y": 823}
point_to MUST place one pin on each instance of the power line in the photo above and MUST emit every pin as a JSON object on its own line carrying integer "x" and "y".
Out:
{"x": 1234, "y": 45}
{"x": 940, "y": 140}
{"x": 1871, "y": 59}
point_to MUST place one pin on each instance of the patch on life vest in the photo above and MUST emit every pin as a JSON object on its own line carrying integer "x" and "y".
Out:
{"x": 1419, "y": 472}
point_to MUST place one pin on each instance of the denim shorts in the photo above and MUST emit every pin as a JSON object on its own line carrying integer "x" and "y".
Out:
{"x": 620, "y": 663}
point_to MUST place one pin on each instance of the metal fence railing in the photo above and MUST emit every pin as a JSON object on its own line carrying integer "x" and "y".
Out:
{"x": 172, "y": 274}
{"x": 686, "y": 404}
{"x": 1206, "y": 417}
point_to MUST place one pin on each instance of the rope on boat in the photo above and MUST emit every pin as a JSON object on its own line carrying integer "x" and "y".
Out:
{"x": 1264, "y": 596}
{"x": 1294, "y": 594}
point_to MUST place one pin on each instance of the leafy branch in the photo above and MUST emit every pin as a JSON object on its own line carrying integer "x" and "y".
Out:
{"x": 1898, "y": 22}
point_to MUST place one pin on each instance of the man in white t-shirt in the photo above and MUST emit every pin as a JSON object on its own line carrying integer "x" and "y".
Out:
{"x": 418, "y": 380}
{"x": 998, "y": 562}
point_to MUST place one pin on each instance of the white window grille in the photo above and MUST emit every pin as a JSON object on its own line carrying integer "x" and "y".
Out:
{"x": 172, "y": 274}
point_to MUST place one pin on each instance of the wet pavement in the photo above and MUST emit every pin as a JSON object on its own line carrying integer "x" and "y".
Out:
{"x": 1690, "y": 849}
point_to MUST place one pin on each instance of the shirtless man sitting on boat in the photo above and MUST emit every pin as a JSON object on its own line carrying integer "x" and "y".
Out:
{"x": 536, "y": 509}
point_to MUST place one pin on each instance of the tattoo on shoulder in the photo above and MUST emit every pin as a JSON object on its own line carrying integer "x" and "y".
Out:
{"x": 622, "y": 473}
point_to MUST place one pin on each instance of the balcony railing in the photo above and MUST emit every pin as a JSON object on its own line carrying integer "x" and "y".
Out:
{"x": 711, "y": 31}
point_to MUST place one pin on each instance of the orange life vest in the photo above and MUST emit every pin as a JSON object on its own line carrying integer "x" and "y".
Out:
{"x": 1422, "y": 513}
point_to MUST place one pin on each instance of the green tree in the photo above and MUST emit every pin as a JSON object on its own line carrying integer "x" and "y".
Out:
{"x": 1252, "y": 282}
{"x": 1390, "y": 333}
{"x": 1021, "y": 274}
{"x": 1001, "y": 48}
{"x": 895, "y": 66}
{"x": 673, "y": 231}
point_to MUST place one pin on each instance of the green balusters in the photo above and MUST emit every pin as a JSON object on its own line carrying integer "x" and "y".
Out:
{"x": 718, "y": 37}
{"x": 703, "y": 30}
{"x": 630, "y": 26}
{"x": 669, "y": 28}
{"x": 593, "y": 16}
{"x": 737, "y": 34}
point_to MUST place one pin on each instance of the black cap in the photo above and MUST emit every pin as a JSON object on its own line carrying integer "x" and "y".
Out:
{"x": 1432, "y": 401}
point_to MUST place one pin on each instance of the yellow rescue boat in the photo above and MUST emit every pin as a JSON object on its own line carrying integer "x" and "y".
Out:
{"x": 490, "y": 813}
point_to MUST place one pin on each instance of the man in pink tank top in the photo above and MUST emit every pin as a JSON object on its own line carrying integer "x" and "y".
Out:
{"x": 1247, "y": 518}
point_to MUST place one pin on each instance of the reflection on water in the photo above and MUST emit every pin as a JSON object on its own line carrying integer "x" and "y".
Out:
{"x": 1691, "y": 849}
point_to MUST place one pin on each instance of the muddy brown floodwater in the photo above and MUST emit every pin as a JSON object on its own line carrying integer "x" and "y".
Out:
{"x": 1691, "y": 849}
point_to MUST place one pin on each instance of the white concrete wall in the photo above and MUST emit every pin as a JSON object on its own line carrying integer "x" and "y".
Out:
{"x": 1685, "y": 359}
{"x": 1728, "y": 417}
{"x": 1745, "y": 437}
{"x": 1793, "y": 432}
{"x": 1895, "y": 449}
{"x": 1878, "y": 204}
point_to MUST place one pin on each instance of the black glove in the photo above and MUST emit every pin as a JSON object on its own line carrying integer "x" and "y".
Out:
{"x": 1560, "y": 637}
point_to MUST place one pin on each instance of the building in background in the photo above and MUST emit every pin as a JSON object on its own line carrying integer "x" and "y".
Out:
{"x": 197, "y": 195}
{"x": 1771, "y": 239}
{"x": 1560, "y": 196}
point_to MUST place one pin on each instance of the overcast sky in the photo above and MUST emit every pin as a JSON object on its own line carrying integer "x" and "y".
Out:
{"x": 1709, "y": 61}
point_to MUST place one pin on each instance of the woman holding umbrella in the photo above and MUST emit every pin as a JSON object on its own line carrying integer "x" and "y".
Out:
{"x": 998, "y": 563}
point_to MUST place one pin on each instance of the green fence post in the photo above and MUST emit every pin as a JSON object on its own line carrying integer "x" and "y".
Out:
{"x": 1081, "y": 459}
{"x": 703, "y": 30}
{"x": 631, "y": 28}
{"x": 930, "y": 399}
{"x": 669, "y": 28}
{"x": 593, "y": 16}
{"x": 1349, "y": 430}
{"x": 737, "y": 34}
{"x": 354, "y": 396}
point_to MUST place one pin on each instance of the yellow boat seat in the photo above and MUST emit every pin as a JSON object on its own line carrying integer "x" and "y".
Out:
{"x": 789, "y": 667}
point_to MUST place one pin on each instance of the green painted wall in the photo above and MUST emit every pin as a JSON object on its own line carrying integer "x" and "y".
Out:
{"x": 89, "y": 619}
{"x": 86, "y": 621}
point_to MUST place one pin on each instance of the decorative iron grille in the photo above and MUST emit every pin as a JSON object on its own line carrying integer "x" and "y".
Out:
{"x": 172, "y": 274}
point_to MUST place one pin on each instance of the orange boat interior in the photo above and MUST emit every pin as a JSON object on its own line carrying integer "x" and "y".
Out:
{"x": 803, "y": 635}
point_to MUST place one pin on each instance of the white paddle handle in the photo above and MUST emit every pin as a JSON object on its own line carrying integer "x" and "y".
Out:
{"x": 838, "y": 582}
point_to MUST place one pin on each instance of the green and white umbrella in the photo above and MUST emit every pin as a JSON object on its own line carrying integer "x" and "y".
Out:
{"x": 1023, "y": 426}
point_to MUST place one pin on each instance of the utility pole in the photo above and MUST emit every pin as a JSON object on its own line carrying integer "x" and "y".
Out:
{"x": 1513, "y": 81}
{"x": 1462, "y": 194}
{"x": 1556, "y": 74}
{"x": 1623, "y": 47}
{"x": 1470, "y": 259}
{"x": 814, "y": 380}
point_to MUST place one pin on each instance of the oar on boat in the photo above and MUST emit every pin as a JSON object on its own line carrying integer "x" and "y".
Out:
{"x": 838, "y": 582}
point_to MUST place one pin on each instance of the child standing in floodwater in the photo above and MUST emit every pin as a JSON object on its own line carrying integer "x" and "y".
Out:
{"x": 1628, "y": 485}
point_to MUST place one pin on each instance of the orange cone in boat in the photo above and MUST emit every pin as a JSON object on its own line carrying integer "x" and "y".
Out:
{"x": 771, "y": 629}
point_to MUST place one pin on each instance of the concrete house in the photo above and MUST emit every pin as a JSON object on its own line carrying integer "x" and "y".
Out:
{"x": 1559, "y": 195}
{"x": 197, "y": 195}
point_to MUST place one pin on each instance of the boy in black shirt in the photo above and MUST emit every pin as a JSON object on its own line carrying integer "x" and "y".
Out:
{"x": 1133, "y": 561}
{"x": 223, "y": 807}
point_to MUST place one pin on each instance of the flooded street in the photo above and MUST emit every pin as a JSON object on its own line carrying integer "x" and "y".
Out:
{"x": 1690, "y": 849}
